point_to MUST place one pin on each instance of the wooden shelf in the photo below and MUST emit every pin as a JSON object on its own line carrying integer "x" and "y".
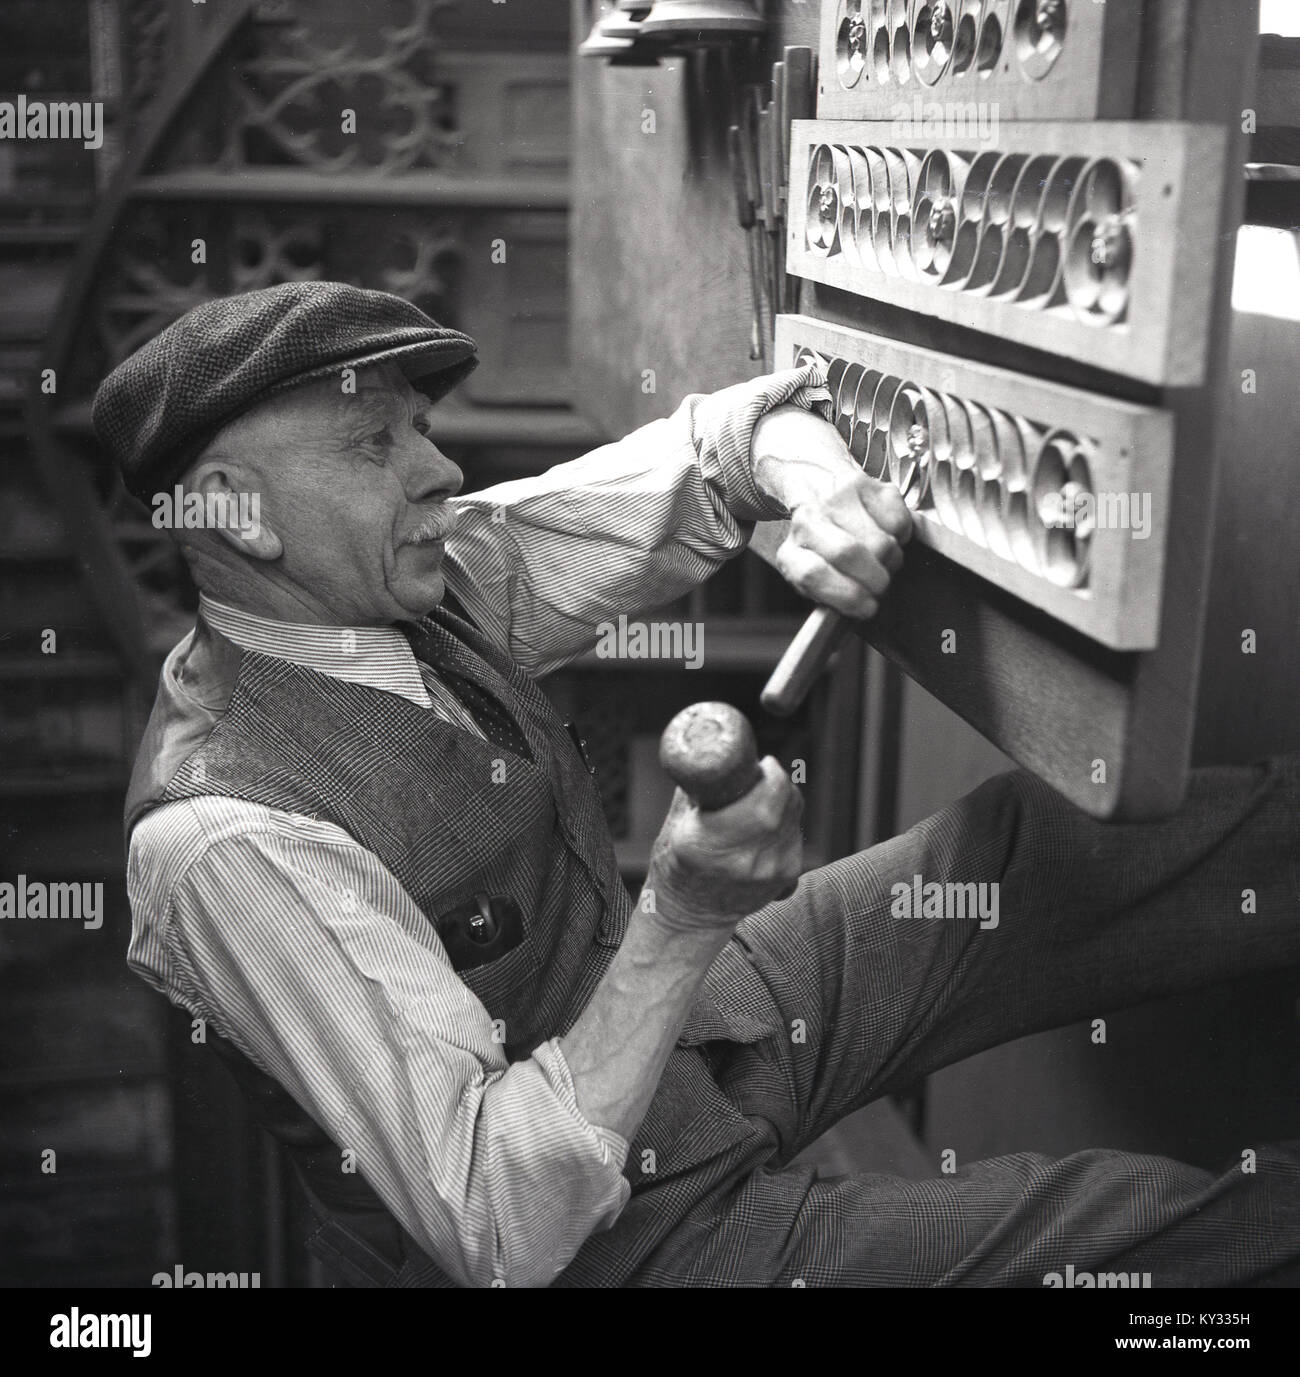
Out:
{"x": 1272, "y": 195}
{"x": 73, "y": 848}
{"x": 23, "y": 556}
{"x": 80, "y": 202}
{"x": 109, "y": 1180}
{"x": 92, "y": 1074}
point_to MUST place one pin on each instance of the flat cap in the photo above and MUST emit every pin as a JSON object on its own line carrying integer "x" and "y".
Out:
{"x": 159, "y": 408}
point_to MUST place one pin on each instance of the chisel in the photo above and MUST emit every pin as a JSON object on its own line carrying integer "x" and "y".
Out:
{"x": 745, "y": 215}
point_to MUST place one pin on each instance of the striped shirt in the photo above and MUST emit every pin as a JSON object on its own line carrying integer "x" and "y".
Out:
{"x": 299, "y": 946}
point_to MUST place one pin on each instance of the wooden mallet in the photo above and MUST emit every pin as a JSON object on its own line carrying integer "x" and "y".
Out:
{"x": 709, "y": 751}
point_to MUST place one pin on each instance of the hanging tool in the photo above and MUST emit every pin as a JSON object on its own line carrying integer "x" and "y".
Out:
{"x": 797, "y": 103}
{"x": 760, "y": 154}
{"x": 754, "y": 141}
{"x": 746, "y": 193}
{"x": 768, "y": 215}
{"x": 776, "y": 130}
{"x": 751, "y": 145}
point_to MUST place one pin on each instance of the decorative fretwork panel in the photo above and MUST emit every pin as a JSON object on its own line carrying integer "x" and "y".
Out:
{"x": 273, "y": 105}
{"x": 290, "y": 99}
{"x": 310, "y": 88}
{"x": 152, "y": 278}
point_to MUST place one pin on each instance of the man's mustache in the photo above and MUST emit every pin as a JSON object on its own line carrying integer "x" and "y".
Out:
{"x": 438, "y": 525}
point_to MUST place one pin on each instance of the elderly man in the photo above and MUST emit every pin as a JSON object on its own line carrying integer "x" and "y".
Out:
{"x": 367, "y": 852}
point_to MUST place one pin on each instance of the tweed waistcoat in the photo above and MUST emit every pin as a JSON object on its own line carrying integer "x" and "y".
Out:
{"x": 450, "y": 814}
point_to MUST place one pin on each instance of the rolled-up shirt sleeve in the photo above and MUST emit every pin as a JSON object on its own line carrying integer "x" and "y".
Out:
{"x": 541, "y": 563}
{"x": 305, "y": 951}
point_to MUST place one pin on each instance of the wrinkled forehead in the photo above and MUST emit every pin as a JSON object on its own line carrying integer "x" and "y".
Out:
{"x": 317, "y": 417}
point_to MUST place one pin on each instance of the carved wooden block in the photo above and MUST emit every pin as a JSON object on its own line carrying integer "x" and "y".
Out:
{"x": 1056, "y": 495}
{"x": 1024, "y": 59}
{"x": 1088, "y": 241}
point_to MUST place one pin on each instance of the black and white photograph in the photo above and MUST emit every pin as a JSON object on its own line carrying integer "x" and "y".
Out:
{"x": 650, "y": 644}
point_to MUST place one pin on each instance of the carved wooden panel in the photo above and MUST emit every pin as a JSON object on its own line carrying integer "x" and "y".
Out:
{"x": 1088, "y": 241}
{"x": 1024, "y": 59}
{"x": 1056, "y": 495}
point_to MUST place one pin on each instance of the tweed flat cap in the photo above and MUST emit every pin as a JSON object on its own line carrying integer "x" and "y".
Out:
{"x": 158, "y": 408}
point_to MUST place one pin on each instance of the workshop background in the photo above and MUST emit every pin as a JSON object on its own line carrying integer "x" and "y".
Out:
{"x": 224, "y": 169}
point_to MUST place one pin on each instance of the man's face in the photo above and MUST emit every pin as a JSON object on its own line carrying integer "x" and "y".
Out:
{"x": 356, "y": 492}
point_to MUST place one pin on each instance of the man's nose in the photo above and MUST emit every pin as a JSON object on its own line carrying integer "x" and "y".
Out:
{"x": 433, "y": 476}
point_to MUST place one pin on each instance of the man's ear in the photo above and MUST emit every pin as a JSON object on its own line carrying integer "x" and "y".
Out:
{"x": 224, "y": 487}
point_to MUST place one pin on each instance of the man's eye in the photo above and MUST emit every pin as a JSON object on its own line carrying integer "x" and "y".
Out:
{"x": 382, "y": 437}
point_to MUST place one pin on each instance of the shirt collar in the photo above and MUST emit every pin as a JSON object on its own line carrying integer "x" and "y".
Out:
{"x": 379, "y": 657}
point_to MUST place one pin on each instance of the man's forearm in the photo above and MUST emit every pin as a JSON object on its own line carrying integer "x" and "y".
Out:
{"x": 708, "y": 870}
{"x": 617, "y": 1050}
{"x": 541, "y": 563}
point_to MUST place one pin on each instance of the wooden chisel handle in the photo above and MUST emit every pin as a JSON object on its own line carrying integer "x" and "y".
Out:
{"x": 804, "y": 660}
{"x": 779, "y": 132}
{"x": 740, "y": 178}
{"x": 798, "y": 94}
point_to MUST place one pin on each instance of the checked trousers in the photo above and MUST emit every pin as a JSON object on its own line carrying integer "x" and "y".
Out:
{"x": 1093, "y": 917}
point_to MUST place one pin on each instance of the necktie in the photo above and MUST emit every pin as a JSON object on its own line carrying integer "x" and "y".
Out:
{"x": 497, "y": 724}
{"x": 493, "y": 720}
